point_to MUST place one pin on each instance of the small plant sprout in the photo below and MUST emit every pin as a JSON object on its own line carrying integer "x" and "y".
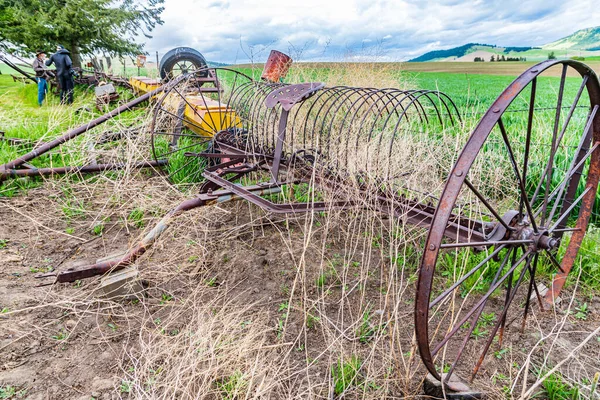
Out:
{"x": 136, "y": 217}
{"x": 346, "y": 374}
{"x": 233, "y": 387}
{"x": 165, "y": 298}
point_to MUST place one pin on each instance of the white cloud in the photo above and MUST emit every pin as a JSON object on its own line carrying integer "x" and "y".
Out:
{"x": 231, "y": 30}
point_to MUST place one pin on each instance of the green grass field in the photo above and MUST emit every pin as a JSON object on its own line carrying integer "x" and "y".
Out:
{"x": 471, "y": 91}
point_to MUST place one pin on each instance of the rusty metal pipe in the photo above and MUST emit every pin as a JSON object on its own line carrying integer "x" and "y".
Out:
{"x": 18, "y": 173}
{"x": 100, "y": 268}
{"x": 81, "y": 129}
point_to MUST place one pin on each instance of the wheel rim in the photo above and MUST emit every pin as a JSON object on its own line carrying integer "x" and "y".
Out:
{"x": 551, "y": 215}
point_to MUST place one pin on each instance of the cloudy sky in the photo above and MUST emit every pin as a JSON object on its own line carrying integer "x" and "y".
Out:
{"x": 384, "y": 30}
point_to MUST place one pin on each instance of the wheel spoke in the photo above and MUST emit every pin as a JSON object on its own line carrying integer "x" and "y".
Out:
{"x": 476, "y": 316}
{"x": 566, "y": 213}
{"x": 518, "y": 175}
{"x": 554, "y": 261}
{"x": 184, "y": 120}
{"x": 585, "y": 140}
{"x": 573, "y": 171}
{"x": 532, "y": 270}
{"x": 554, "y": 147}
{"x": 488, "y": 205}
{"x": 502, "y": 317}
{"x": 465, "y": 277}
{"x": 479, "y": 303}
{"x": 528, "y": 140}
{"x": 480, "y": 244}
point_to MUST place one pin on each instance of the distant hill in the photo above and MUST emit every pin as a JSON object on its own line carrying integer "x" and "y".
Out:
{"x": 215, "y": 64}
{"x": 453, "y": 52}
{"x": 585, "y": 39}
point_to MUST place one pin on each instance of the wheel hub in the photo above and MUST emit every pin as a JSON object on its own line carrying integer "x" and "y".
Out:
{"x": 541, "y": 240}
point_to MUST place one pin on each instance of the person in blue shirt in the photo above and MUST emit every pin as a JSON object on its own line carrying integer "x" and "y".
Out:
{"x": 41, "y": 75}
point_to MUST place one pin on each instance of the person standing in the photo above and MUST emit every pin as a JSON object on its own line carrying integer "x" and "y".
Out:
{"x": 63, "y": 64}
{"x": 41, "y": 75}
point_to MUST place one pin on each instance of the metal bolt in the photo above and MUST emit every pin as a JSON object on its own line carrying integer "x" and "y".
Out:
{"x": 432, "y": 247}
{"x": 496, "y": 110}
{"x": 458, "y": 173}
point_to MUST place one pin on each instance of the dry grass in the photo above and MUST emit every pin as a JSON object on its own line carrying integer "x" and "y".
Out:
{"x": 244, "y": 304}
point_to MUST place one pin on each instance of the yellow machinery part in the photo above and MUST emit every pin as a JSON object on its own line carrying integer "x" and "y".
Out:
{"x": 202, "y": 115}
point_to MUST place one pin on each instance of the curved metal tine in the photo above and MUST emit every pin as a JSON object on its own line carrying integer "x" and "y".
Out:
{"x": 528, "y": 139}
{"x": 476, "y": 318}
{"x": 192, "y": 159}
{"x": 364, "y": 104}
{"x": 457, "y": 113}
{"x": 184, "y": 148}
{"x": 532, "y": 270}
{"x": 215, "y": 129}
{"x": 228, "y": 107}
{"x": 320, "y": 101}
{"x": 367, "y": 112}
{"x": 194, "y": 109}
{"x": 400, "y": 116}
{"x": 345, "y": 94}
{"x": 370, "y": 99}
{"x": 365, "y": 100}
{"x": 456, "y": 284}
{"x": 488, "y": 205}
{"x": 182, "y": 119}
{"x": 222, "y": 117}
{"x": 266, "y": 118}
{"x": 414, "y": 100}
{"x": 380, "y": 102}
{"x": 260, "y": 123}
{"x": 576, "y": 164}
{"x": 348, "y": 102}
{"x": 518, "y": 175}
{"x": 179, "y": 135}
{"x": 248, "y": 99}
{"x": 242, "y": 102}
{"x": 478, "y": 304}
{"x": 502, "y": 317}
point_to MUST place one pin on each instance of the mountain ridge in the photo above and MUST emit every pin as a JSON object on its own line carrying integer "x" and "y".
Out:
{"x": 586, "y": 40}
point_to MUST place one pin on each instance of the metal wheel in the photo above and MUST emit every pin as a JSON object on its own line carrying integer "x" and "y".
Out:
{"x": 188, "y": 115}
{"x": 528, "y": 178}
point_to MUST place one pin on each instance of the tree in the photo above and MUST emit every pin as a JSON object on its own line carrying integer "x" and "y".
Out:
{"x": 551, "y": 56}
{"x": 492, "y": 59}
{"x": 82, "y": 26}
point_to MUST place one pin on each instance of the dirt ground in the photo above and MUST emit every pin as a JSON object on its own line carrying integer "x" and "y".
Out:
{"x": 238, "y": 304}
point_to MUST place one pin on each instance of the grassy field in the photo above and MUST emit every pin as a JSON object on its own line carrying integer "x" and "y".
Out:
{"x": 240, "y": 302}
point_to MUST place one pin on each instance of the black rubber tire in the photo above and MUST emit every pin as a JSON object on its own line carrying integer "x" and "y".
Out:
{"x": 178, "y": 54}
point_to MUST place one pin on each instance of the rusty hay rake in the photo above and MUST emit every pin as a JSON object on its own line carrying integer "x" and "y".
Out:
{"x": 517, "y": 199}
